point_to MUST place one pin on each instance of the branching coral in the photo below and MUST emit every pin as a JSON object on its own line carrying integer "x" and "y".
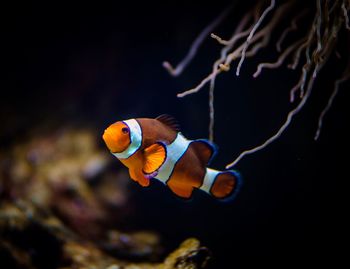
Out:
{"x": 310, "y": 51}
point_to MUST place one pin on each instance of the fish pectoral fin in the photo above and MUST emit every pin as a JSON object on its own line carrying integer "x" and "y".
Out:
{"x": 181, "y": 190}
{"x": 155, "y": 156}
{"x": 139, "y": 177}
{"x": 204, "y": 149}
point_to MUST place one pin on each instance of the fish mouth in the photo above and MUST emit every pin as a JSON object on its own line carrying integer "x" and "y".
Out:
{"x": 107, "y": 138}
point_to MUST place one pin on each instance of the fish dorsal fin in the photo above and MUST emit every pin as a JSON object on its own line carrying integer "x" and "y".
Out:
{"x": 169, "y": 121}
{"x": 155, "y": 156}
{"x": 204, "y": 149}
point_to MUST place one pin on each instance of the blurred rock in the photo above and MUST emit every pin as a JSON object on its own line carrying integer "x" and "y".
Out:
{"x": 58, "y": 171}
{"x": 136, "y": 246}
{"x": 61, "y": 203}
{"x": 32, "y": 238}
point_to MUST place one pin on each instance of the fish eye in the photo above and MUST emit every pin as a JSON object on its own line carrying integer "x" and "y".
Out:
{"x": 125, "y": 130}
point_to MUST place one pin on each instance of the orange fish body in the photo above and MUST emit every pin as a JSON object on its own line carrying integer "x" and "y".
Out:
{"x": 154, "y": 148}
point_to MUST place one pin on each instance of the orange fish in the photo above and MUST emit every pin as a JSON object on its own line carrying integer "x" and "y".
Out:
{"x": 155, "y": 148}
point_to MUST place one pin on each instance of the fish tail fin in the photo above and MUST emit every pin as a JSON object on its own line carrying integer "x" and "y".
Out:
{"x": 223, "y": 185}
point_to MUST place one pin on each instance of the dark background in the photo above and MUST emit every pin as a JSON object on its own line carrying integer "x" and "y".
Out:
{"x": 93, "y": 64}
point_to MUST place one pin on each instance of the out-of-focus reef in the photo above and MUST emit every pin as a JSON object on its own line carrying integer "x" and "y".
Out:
{"x": 62, "y": 206}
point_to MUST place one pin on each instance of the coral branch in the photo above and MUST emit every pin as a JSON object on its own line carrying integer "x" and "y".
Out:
{"x": 312, "y": 50}
{"x": 284, "y": 126}
{"x": 280, "y": 60}
{"x": 200, "y": 85}
{"x": 296, "y": 58}
{"x": 293, "y": 26}
{"x": 330, "y": 102}
{"x": 320, "y": 61}
{"x": 330, "y": 42}
{"x": 176, "y": 71}
{"x": 265, "y": 33}
{"x": 211, "y": 114}
{"x": 294, "y": 89}
{"x": 219, "y": 63}
{"x": 318, "y": 26}
{"x": 346, "y": 17}
{"x": 307, "y": 65}
{"x": 274, "y": 137}
{"x": 251, "y": 34}
{"x": 237, "y": 33}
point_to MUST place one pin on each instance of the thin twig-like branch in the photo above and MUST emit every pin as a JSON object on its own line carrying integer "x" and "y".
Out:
{"x": 330, "y": 102}
{"x": 294, "y": 89}
{"x": 251, "y": 34}
{"x": 296, "y": 58}
{"x": 236, "y": 54}
{"x": 274, "y": 137}
{"x": 321, "y": 61}
{"x": 293, "y": 26}
{"x": 236, "y": 35}
{"x": 284, "y": 126}
{"x": 280, "y": 59}
{"x": 346, "y": 17}
{"x": 312, "y": 50}
{"x": 306, "y": 45}
{"x": 176, "y": 71}
{"x": 200, "y": 85}
{"x": 307, "y": 65}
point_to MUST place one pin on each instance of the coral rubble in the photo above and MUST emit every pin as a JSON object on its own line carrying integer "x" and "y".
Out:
{"x": 33, "y": 238}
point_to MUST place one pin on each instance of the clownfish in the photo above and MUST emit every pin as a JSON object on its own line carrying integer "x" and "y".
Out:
{"x": 155, "y": 148}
